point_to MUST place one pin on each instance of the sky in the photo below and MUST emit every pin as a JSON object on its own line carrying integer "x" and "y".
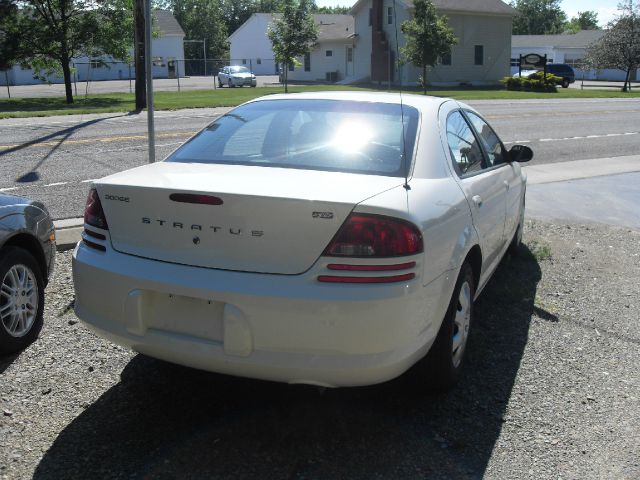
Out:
{"x": 606, "y": 9}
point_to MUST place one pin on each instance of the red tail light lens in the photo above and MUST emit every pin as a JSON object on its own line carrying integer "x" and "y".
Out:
{"x": 93, "y": 213}
{"x": 365, "y": 235}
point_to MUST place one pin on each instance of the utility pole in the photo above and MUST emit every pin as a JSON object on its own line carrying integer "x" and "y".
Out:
{"x": 149, "y": 75}
{"x": 139, "y": 51}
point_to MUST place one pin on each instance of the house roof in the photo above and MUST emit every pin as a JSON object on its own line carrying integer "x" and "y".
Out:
{"x": 334, "y": 26}
{"x": 331, "y": 26}
{"x": 582, "y": 39}
{"x": 493, "y": 7}
{"x": 167, "y": 23}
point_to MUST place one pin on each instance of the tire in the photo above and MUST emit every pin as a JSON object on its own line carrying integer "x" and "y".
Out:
{"x": 565, "y": 83}
{"x": 21, "y": 299}
{"x": 219, "y": 84}
{"x": 442, "y": 366}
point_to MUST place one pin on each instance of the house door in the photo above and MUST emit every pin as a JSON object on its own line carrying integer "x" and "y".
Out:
{"x": 348, "y": 69}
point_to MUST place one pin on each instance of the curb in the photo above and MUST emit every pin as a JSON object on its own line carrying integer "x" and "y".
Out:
{"x": 68, "y": 233}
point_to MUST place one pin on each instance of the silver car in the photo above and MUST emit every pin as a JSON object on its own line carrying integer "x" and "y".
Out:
{"x": 27, "y": 252}
{"x": 236, "y": 76}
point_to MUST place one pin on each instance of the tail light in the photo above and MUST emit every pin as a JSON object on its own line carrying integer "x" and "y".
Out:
{"x": 375, "y": 236}
{"x": 93, "y": 213}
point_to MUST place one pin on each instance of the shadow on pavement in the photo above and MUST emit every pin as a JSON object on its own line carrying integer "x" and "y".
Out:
{"x": 166, "y": 421}
{"x": 60, "y": 137}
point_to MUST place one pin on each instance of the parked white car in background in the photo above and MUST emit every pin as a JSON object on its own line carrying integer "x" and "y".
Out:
{"x": 236, "y": 76}
{"x": 330, "y": 238}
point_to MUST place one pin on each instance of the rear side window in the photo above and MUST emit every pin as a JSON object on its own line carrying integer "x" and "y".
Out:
{"x": 345, "y": 136}
{"x": 464, "y": 147}
{"x": 492, "y": 144}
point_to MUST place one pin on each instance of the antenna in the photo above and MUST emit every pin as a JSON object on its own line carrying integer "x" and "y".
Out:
{"x": 404, "y": 142}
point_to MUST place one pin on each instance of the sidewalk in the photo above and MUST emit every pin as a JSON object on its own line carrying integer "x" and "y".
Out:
{"x": 581, "y": 190}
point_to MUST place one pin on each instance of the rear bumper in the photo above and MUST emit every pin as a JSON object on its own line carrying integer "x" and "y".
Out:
{"x": 288, "y": 328}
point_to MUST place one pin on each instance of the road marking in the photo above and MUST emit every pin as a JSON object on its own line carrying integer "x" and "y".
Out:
{"x": 8, "y": 189}
{"x": 84, "y": 141}
{"x": 55, "y": 184}
{"x": 545, "y": 114}
{"x": 574, "y": 138}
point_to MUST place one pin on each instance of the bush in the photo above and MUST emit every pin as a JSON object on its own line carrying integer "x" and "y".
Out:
{"x": 534, "y": 83}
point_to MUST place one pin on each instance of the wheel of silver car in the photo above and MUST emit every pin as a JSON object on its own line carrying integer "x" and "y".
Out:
{"x": 21, "y": 299}
{"x": 219, "y": 84}
{"x": 443, "y": 364}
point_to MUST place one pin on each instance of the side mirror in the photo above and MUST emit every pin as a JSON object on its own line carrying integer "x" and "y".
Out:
{"x": 520, "y": 153}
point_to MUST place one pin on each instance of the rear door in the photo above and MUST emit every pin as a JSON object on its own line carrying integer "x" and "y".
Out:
{"x": 496, "y": 156}
{"x": 482, "y": 185}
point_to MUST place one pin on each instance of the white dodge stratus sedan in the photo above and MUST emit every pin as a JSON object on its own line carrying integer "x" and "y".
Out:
{"x": 331, "y": 239}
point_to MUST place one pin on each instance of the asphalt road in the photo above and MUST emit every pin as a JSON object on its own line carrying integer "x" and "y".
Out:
{"x": 55, "y": 159}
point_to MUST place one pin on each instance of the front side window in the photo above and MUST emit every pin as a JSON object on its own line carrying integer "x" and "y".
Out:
{"x": 463, "y": 145}
{"x": 344, "y": 136}
{"x": 496, "y": 153}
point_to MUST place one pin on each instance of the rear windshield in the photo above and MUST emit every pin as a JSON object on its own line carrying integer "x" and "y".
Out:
{"x": 344, "y": 136}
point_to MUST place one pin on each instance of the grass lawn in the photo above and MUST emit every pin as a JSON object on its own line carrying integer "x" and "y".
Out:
{"x": 228, "y": 97}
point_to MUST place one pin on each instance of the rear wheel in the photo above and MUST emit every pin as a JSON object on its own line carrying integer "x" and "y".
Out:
{"x": 565, "y": 83}
{"x": 219, "y": 83}
{"x": 443, "y": 364}
{"x": 21, "y": 299}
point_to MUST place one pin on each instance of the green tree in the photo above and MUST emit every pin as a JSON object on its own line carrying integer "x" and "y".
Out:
{"x": 293, "y": 33}
{"x": 335, "y": 9}
{"x": 55, "y": 31}
{"x": 584, "y": 21}
{"x": 538, "y": 17}
{"x": 619, "y": 47}
{"x": 429, "y": 37}
{"x": 236, "y": 12}
{"x": 9, "y": 34}
{"x": 201, "y": 20}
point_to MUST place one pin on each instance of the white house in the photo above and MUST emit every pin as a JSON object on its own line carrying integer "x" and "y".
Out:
{"x": 481, "y": 56}
{"x": 568, "y": 48}
{"x": 251, "y": 47}
{"x": 167, "y": 48}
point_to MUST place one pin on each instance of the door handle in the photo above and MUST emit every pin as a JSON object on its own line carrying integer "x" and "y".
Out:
{"x": 506, "y": 184}
{"x": 477, "y": 199}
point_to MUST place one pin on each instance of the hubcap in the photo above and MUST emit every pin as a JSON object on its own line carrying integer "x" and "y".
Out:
{"x": 18, "y": 300}
{"x": 461, "y": 323}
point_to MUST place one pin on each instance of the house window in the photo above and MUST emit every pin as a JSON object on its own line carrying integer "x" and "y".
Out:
{"x": 389, "y": 15}
{"x": 244, "y": 61}
{"x": 307, "y": 62}
{"x": 291, "y": 66}
{"x": 478, "y": 55}
{"x": 329, "y": 53}
{"x": 446, "y": 59}
{"x": 349, "y": 54}
{"x": 370, "y": 16}
{"x": 259, "y": 61}
{"x": 96, "y": 63}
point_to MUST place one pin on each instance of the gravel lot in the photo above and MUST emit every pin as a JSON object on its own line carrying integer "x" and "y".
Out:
{"x": 551, "y": 390}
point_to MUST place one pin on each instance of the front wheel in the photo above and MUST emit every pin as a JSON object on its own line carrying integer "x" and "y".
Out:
{"x": 21, "y": 299}
{"x": 443, "y": 364}
{"x": 565, "y": 83}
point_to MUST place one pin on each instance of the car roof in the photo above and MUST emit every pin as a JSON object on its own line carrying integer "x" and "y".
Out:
{"x": 421, "y": 102}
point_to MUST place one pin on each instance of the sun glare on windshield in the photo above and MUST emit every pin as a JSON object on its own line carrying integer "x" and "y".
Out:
{"x": 352, "y": 136}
